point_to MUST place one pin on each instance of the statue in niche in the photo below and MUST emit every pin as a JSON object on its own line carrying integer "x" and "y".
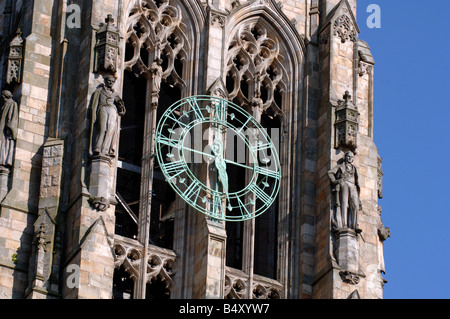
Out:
{"x": 344, "y": 178}
{"x": 106, "y": 107}
{"x": 9, "y": 119}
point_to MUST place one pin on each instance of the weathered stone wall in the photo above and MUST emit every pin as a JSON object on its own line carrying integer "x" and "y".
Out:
{"x": 19, "y": 208}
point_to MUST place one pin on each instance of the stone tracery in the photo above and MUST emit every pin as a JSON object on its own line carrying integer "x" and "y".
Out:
{"x": 155, "y": 31}
{"x": 255, "y": 72}
{"x": 160, "y": 262}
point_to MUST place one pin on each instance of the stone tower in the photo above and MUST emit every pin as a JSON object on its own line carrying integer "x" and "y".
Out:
{"x": 85, "y": 211}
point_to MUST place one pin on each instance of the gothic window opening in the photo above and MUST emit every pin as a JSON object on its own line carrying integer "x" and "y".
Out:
{"x": 154, "y": 63}
{"x": 266, "y": 238}
{"x": 130, "y": 155}
{"x": 236, "y": 182}
{"x": 163, "y": 196}
{"x": 255, "y": 80}
{"x": 157, "y": 289}
{"x": 123, "y": 285}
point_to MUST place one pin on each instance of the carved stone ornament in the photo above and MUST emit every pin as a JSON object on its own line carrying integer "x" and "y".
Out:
{"x": 99, "y": 203}
{"x": 15, "y": 57}
{"x": 107, "y": 47}
{"x": 380, "y": 178}
{"x": 237, "y": 286}
{"x": 344, "y": 29}
{"x": 217, "y": 19}
{"x": 346, "y": 124}
{"x": 41, "y": 242}
{"x": 160, "y": 262}
{"x": 9, "y": 119}
{"x": 156, "y": 28}
{"x": 349, "y": 278}
{"x": 364, "y": 68}
{"x": 384, "y": 233}
{"x": 254, "y": 59}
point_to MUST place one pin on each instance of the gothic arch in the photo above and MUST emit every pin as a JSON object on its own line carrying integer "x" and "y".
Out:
{"x": 284, "y": 50}
{"x": 262, "y": 26}
{"x": 164, "y": 28}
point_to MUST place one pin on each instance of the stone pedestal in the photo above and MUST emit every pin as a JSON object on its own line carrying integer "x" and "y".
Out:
{"x": 4, "y": 175}
{"x": 347, "y": 254}
{"x": 209, "y": 278}
{"x": 100, "y": 182}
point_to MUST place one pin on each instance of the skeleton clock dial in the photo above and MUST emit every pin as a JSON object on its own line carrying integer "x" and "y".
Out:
{"x": 196, "y": 142}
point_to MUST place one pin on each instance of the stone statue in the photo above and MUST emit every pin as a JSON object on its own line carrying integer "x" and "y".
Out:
{"x": 157, "y": 73}
{"x": 344, "y": 177}
{"x": 8, "y": 123}
{"x": 106, "y": 107}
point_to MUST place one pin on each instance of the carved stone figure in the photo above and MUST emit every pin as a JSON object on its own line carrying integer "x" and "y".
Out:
{"x": 344, "y": 177}
{"x": 106, "y": 107}
{"x": 157, "y": 73}
{"x": 8, "y": 124}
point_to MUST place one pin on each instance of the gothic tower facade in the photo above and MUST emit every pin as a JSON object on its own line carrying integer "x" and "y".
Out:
{"x": 85, "y": 214}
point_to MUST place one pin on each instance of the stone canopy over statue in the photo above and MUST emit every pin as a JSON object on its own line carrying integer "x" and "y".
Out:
{"x": 106, "y": 107}
{"x": 8, "y": 124}
{"x": 344, "y": 178}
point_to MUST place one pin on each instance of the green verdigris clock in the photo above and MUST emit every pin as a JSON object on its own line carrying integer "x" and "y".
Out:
{"x": 198, "y": 142}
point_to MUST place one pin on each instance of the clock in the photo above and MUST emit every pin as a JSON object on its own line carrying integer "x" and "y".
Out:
{"x": 204, "y": 142}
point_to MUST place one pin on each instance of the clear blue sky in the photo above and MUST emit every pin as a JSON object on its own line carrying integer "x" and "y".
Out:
{"x": 412, "y": 132}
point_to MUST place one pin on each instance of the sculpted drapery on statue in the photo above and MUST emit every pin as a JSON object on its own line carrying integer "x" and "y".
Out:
{"x": 106, "y": 107}
{"x": 8, "y": 124}
{"x": 344, "y": 177}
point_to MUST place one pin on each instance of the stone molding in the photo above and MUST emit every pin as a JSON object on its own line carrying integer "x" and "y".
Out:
{"x": 237, "y": 285}
{"x": 160, "y": 261}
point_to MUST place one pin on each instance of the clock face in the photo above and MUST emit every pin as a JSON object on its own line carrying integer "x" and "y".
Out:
{"x": 218, "y": 158}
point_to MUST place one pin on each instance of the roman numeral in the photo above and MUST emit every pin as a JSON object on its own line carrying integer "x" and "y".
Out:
{"x": 196, "y": 108}
{"x": 260, "y": 146}
{"x": 169, "y": 142}
{"x": 193, "y": 189}
{"x": 263, "y": 197}
{"x": 181, "y": 124}
{"x": 243, "y": 208}
{"x": 220, "y": 111}
{"x": 217, "y": 208}
{"x": 175, "y": 168}
{"x": 267, "y": 172}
